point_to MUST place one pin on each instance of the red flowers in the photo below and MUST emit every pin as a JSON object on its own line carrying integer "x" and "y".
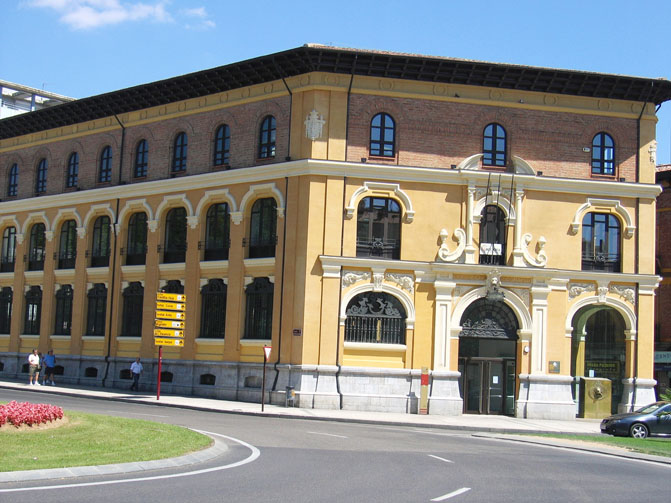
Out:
{"x": 28, "y": 413}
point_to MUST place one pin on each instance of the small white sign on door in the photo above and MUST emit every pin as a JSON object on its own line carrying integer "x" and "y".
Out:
{"x": 495, "y": 379}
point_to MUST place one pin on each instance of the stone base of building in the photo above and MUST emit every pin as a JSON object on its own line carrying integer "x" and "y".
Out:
{"x": 545, "y": 397}
{"x": 636, "y": 394}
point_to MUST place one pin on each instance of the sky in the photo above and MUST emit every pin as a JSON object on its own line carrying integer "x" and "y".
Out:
{"x": 81, "y": 48}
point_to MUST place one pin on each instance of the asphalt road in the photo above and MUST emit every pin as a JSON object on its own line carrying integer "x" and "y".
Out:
{"x": 282, "y": 460}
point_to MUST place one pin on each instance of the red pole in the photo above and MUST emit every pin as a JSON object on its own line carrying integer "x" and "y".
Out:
{"x": 160, "y": 359}
{"x": 263, "y": 383}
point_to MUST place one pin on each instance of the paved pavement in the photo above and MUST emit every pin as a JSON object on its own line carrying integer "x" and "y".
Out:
{"x": 498, "y": 426}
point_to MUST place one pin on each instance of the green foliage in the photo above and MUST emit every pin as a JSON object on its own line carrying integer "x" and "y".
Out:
{"x": 666, "y": 396}
{"x": 657, "y": 446}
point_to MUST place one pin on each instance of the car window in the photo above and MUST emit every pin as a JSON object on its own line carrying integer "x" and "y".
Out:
{"x": 649, "y": 409}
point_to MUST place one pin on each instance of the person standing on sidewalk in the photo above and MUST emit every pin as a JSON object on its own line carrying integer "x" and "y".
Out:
{"x": 49, "y": 363}
{"x": 136, "y": 371}
{"x": 34, "y": 368}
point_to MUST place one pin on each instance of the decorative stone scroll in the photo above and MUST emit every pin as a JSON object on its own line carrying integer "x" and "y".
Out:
{"x": 444, "y": 253}
{"x": 541, "y": 259}
{"x": 626, "y": 293}
{"x": 405, "y": 281}
{"x": 577, "y": 289}
{"x": 351, "y": 277}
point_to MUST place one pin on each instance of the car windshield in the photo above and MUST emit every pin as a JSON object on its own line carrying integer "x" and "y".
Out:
{"x": 649, "y": 409}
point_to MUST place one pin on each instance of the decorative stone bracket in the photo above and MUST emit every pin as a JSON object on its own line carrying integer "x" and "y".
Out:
{"x": 541, "y": 259}
{"x": 444, "y": 253}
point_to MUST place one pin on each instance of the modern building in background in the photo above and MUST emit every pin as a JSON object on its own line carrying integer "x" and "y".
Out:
{"x": 16, "y": 99}
{"x": 365, "y": 214}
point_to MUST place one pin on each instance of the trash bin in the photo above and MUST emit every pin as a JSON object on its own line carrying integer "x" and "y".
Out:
{"x": 290, "y": 397}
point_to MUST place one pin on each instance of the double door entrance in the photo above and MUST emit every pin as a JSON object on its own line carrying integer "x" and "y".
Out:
{"x": 488, "y": 385}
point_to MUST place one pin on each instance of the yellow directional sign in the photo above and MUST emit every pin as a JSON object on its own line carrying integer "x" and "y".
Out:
{"x": 173, "y": 297}
{"x": 170, "y": 315}
{"x": 168, "y": 342}
{"x": 170, "y": 306}
{"x": 162, "y": 332}
{"x": 169, "y": 324}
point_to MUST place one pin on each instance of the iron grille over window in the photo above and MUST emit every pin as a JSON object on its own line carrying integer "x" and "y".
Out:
{"x": 97, "y": 309}
{"x": 263, "y": 228}
{"x": 8, "y": 257}
{"x": 494, "y": 145}
{"x": 383, "y": 136}
{"x": 493, "y": 236}
{"x": 259, "y": 316}
{"x": 179, "y": 153}
{"x": 33, "y": 313}
{"x": 213, "y": 311}
{"x": 603, "y": 154}
{"x": 375, "y": 317}
{"x": 133, "y": 297}
{"x": 73, "y": 170}
{"x": 100, "y": 246}
{"x": 41, "y": 178}
{"x": 267, "y": 138}
{"x": 492, "y": 320}
{"x": 600, "y": 243}
{"x": 5, "y": 309}
{"x": 141, "y": 159}
{"x": 173, "y": 286}
{"x": 222, "y": 145}
{"x": 175, "y": 236}
{"x": 37, "y": 248}
{"x": 378, "y": 229}
{"x": 13, "y": 181}
{"x": 136, "y": 252}
{"x": 105, "y": 171}
{"x": 67, "y": 251}
{"x": 63, "y": 325}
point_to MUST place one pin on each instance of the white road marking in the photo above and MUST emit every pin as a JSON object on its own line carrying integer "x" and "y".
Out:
{"x": 452, "y": 494}
{"x": 326, "y": 434}
{"x": 441, "y": 459}
{"x": 150, "y": 415}
{"x": 255, "y": 454}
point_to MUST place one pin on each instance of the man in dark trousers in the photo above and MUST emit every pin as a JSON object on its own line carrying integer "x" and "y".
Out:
{"x": 136, "y": 371}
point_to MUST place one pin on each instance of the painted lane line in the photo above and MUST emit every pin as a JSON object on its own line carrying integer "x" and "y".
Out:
{"x": 441, "y": 459}
{"x": 150, "y": 415}
{"x": 253, "y": 456}
{"x": 326, "y": 434}
{"x": 452, "y": 494}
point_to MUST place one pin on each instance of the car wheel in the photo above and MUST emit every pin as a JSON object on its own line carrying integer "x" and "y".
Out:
{"x": 639, "y": 430}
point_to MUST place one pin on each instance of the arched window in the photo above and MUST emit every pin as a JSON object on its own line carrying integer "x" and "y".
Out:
{"x": 263, "y": 228}
{"x": 493, "y": 236}
{"x": 259, "y": 309}
{"x": 136, "y": 251}
{"x": 494, "y": 145}
{"x": 222, "y": 145}
{"x": 13, "y": 181}
{"x": 37, "y": 249}
{"x": 383, "y": 136}
{"x": 33, "y": 314}
{"x": 133, "y": 298}
{"x": 375, "y": 317}
{"x": 97, "y": 309}
{"x": 67, "y": 248}
{"x": 73, "y": 170}
{"x": 179, "y": 153}
{"x": 601, "y": 242}
{"x": 8, "y": 257}
{"x": 217, "y": 231}
{"x": 41, "y": 177}
{"x": 378, "y": 230}
{"x": 213, "y": 309}
{"x": 105, "y": 171}
{"x": 5, "y": 309}
{"x": 173, "y": 286}
{"x": 603, "y": 154}
{"x": 63, "y": 324}
{"x": 141, "y": 159}
{"x": 267, "y": 138}
{"x": 100, "y": 244}
{"x": 175, "y": 236}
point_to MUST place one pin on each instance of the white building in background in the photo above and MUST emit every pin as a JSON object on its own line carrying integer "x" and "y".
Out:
{"x": 17, "y": 99}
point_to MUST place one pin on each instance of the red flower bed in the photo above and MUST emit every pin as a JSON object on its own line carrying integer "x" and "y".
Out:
{"x": 18, "y": 413}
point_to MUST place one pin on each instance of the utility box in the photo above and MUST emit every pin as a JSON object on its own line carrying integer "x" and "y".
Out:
{"x": 595, "y": 397}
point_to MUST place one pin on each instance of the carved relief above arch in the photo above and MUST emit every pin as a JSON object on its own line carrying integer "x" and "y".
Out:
{"x": 255, "y": 192}
{"x": 388, "y": 189}
{"x": 611, "y": 205}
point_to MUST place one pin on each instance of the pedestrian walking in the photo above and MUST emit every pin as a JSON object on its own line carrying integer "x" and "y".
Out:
{"x": 136, "y": 371}
{"x": 34, "y": 368}
{"x": 49, "y": 362}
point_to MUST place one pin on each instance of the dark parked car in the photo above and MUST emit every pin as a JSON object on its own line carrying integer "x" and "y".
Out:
{"x": 653, "y": 419}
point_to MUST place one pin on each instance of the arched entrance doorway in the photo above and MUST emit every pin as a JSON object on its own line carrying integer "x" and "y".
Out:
{"x": 598, "y": 348}
{"x": 487, "y": 358}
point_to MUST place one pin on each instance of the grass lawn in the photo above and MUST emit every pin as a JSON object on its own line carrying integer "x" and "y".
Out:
{"x": 658, "y": 446}
{"x": 91, "y": 439}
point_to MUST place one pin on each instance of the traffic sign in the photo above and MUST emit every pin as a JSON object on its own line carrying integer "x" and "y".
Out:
{"x": 172, "y": 306}
{"x": 170, "y": 315}
{"x": 172, "y": 297}
{"x": 169, "y": 324}
{"x": 266, "y": 351}
{"x": 162, "y": 332}
{"x": 168, "y": 342}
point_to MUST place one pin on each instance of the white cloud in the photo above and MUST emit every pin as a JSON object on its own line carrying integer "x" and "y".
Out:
{"x": 201, "y": 18}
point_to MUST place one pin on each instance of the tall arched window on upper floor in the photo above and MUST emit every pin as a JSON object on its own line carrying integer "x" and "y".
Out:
{"x": 72, "y": 176}
{"x": 6, "y": 297}
{"x": 136, "y": 249}
{"x": 105, "y": 168}
{"x": 100, "y": 243}
{"x": 217, "y": 232}
{"x": 67, "y": 247}
{"x": 8, "y": 257}
{"x": 63, "y": 319}
{"x": 375, "y": 317}
{"x": 263, "y": 228}
{"x": 222, "y": 146}
{"x": 259, "y": 309}
{"x": 179, "y": 153}
{"x": 141, "y": 159}
{"x": 382, "y": 136}
{"x": 492, "y": 235}
{"x": 133, "y": 300}
{"x": 41, "y": 177}
{"x": 213, "y": 309}
{"x": 603, "y": 154}
{"x": 33, "y": 311}
{"x": 378, "y": 229}
{"x": 13, "y": 181}
{"x": 494, "y": 145}
{"x": 175, "y": 236}
{"x": 601, "y": 243}
{"x": 97, "y": 309}
{"x": 267, "y": 138}
{"x": 37, "y": 247}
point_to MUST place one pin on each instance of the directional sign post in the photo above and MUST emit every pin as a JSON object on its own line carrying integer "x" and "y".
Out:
{"x": 266, "y": 355}
{"x": 168, "y": 325}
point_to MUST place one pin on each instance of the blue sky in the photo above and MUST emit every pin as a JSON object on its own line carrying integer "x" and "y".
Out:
{"x": 84, "y": 47}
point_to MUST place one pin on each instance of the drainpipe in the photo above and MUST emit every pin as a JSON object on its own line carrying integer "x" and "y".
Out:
{"x": 284, "y": 254}
{"x": 342, "y": 244}
{"x": 291, "y": 107}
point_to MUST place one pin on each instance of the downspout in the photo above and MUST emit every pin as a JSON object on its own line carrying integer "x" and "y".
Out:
{"x": 342, "y": 245}
{"x": 284, "y": 254}
{"x": 291, "y": 107}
